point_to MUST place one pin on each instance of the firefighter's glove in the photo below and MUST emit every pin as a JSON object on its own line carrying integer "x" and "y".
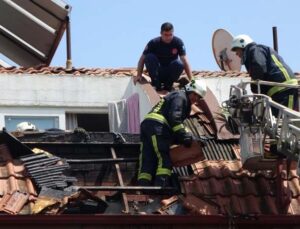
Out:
{"x": 187, "y": 139}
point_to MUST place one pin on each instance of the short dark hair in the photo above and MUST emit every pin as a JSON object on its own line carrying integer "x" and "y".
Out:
{"x": 167, "y": 26}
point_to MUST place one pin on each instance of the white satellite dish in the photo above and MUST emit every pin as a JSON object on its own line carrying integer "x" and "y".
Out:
{"x": 225, "y": 58}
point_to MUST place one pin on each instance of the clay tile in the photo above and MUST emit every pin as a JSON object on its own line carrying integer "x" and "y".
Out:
{"x": 294, "y": 186}
{"x": 213, "y": 171}
{"x": 269, "y": 204}
{"x": 235, "y": 206}
{"x": 252, "y": 204}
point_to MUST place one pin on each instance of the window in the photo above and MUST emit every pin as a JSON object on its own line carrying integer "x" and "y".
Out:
{"x": 89, "y": 122}
{"x": 41, "y": 122}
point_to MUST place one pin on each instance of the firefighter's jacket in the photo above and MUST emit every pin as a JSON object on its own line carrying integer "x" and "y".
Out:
{"x": 171, "y": 111}
{"x": 263, "y": 63}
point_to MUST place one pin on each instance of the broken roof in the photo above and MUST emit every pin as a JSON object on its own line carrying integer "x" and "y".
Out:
{"x": 216, "y": 186}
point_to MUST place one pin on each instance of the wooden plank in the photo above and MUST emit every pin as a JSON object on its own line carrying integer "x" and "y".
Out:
{"x": 120, "y": 180}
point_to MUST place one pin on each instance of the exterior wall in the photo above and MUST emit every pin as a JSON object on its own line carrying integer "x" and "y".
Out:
{"x": 220, "y": 86}
{"x": 51, "y": 95}
{"x": 55, "y": 95}
{"x": 61, "y": 91}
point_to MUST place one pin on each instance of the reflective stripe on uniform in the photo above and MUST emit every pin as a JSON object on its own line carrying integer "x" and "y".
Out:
{"x": 140, "y": 158}
{"x": 157, "y": 107}
{"x": 178, "y": 127}
{"x": 277, "y": 89}
{"x": 146, "y": 176}
{"x": 159, "y": 170}
{"x": 281, "y": 67}
{"x": 288, "y": 80}
{"x": 291, "y": 102}
{"x": 155, "y": 147}
{"x": 163, "y": 171}
{"x": 157, "y": 117}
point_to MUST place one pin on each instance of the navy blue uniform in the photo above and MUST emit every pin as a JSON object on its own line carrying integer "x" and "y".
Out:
{"x": 162, "y": 126}
{"x": 162, "y": 61}
{"x": 263, "y": 63}
{"x": 165, "y": 52}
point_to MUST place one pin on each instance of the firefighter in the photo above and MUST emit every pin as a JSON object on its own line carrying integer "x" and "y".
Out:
{"x": 263, "y": 63}
{"x": 162, "y": 126}
{"x": 161, "y": 59}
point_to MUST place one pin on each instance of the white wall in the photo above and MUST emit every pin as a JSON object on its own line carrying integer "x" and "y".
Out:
{"x": 220, "y": 86}
{"x": 60, "y": 91}
{"x": 51, "y": 95}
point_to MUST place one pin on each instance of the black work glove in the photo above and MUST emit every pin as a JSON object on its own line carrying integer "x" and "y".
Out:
{"x": 187, "y": 139}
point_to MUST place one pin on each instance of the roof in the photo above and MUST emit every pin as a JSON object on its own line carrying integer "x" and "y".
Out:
{"x": 15, "y": 187}
{"x": 42, "y": 70}
{"x": 223, "y": 187}
{"x": 217, "y": 185}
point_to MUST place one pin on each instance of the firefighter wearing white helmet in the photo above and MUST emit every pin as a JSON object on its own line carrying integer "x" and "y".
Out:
{"x": 197, "y": 86}
{"x": 162, "y": 126}
{"x": 264, "y": 63}
{"x": 241, "y": 41}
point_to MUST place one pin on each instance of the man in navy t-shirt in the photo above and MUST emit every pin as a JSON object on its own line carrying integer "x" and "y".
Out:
{"x": 161, "y": 59}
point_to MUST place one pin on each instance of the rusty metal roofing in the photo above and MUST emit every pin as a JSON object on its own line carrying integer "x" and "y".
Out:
{"x": 30, "y": 31}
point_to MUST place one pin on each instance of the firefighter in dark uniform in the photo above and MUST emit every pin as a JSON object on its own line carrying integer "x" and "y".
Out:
{"x": 165, "y": 58}
{"x": 162, "y": 126}
{"x": 263, "y": 63}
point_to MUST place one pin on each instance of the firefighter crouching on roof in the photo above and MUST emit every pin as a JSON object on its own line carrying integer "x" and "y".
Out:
{"x": 162, "y": 126}
{"x": 263, "y": 63}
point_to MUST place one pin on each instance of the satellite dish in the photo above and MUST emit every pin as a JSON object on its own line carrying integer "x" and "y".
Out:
{"x": 221, "y": 44}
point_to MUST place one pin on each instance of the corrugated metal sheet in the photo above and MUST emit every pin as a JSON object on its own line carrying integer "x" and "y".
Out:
{"x": 31, "y": 30}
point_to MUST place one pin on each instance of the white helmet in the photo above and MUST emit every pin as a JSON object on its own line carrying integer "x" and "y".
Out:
{"x": 197, "y": 86}
{"x": 241, "y": 41}
{"x": 24, "y": 126}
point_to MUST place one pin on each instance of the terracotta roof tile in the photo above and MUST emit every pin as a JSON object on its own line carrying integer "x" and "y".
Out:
{"x": 42, "y": 70}
{"x": 237, "y": 191}
{"x": 12, "y": 177}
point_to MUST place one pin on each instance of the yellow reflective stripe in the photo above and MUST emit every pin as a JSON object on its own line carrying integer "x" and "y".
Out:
{"x": 178, "y": 127}
{"x": 157, "y": 107}
{"x": 163, "y": 171}
{"x": 155, "y": 146}
{"x": 146, "y": 176}
{"x": 291, "y": 102}
{"x": 159, "y": 170}
{"x": 140, "y": 158}
{"x": 157, "y": 117}
{"x": 275, "y": 89}
{"x": 281, "y": 67}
